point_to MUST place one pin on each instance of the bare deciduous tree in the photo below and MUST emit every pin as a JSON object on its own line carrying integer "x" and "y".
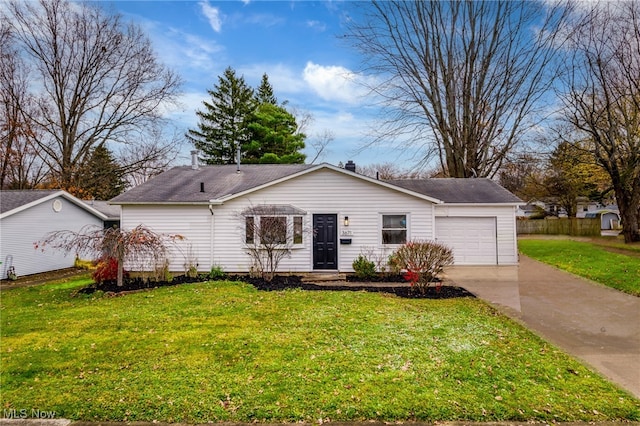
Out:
{"x": 145, "y": 158}
{"x": 269, "y": 234}
{"x": 98, "y": 79}
{"x": 603, "y": 98}
{"x": 20, "y": 167}
{"x": 392, "y": 171}
{"x": 319, "y": 144}
{"x": 140, "y": 246}
{"x": 464, "y": 79}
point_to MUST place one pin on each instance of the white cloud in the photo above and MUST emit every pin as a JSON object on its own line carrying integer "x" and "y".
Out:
{"x": 284, "y": 79}
{"x": 334, "y": 83}
{"x": 264, "y": 19}
{"x": 317, "y": 25}
{"x": 179, "y": 48}
{"x": 213, "y": 15}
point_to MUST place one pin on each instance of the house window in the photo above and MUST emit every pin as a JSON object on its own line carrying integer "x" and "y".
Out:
{"x": 272, "y": 230}
{"x": 394, "y": 228}
{"x": 249, "y": 223}
{"x": 297, "y": 230}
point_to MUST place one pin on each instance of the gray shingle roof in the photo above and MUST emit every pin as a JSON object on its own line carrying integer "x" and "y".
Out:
{"x": 460, "y": 191}
{"x": 12, "y": 199}
{"x": 182, "y": 184}
{"x": 112, "y": 212}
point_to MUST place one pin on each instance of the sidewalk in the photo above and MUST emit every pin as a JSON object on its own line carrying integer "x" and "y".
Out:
{"x": 596, "y": 324}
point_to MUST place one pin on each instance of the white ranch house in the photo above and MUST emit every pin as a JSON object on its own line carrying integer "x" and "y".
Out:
{"x": 331, "y": 215}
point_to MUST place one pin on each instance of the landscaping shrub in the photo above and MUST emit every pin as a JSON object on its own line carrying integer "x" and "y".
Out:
{"x": 421, "y": 262}
{"x": 364, "y": 268}
{"x": 83, "y": 264}
{"x": 217, "y": 273}
{"x": 106, "y": 270}
{"x": 162, "y": 272}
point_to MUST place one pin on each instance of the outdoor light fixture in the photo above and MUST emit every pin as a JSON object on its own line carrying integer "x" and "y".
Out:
{"x": 346, "y": 221}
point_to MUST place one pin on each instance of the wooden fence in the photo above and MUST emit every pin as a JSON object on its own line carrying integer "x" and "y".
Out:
{"x": 560, "y": 226}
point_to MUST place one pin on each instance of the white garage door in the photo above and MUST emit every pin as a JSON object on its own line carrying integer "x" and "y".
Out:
{"x": 473, "y": 239}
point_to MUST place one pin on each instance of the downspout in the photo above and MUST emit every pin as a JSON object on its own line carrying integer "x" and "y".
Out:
{"x": 211, "y": 245}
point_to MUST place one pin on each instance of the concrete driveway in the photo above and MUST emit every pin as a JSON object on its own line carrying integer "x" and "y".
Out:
{"x": 594, "y": 323}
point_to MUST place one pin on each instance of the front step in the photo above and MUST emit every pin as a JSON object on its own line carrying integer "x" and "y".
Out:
{"x": 317, "y": 277}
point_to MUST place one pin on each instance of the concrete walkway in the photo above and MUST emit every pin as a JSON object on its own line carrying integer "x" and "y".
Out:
{"x": 594, "y": 323}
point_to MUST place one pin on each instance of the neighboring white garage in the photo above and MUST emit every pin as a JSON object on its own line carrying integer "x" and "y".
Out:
{"x": 27, "y": 216}
{"x": 473, "y": 239}
{"x": 477, "y": 219}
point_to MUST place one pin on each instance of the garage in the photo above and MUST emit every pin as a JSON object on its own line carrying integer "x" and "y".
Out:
{"x": 473, "y": 239}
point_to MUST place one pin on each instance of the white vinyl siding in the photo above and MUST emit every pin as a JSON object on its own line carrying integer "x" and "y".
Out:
{"x": 20, "y": 231}
{"x": 192, "y": 223}
{"x": 322, "y": 192}
{"x": 219, "y": 239}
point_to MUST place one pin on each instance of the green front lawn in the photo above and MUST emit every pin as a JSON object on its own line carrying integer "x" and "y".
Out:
{"x": 589, "y": 260}
{"x": 223, "y": 351}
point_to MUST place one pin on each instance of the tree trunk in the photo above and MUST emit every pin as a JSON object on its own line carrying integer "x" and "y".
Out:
{"x": 630, "y": 216}
{"x": 120, "y": 281}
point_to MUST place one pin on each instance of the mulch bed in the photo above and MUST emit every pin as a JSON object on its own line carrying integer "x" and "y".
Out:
{"x": 137, "y": 284}
{"x": 280, "y": 282}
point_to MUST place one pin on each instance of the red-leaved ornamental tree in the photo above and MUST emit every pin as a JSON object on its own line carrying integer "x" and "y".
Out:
{"x": 139, "y": 246}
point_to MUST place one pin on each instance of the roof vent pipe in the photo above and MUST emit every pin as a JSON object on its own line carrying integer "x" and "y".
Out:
{"x": 351, "y": 166}
{"x": 194, "y": 159}
{"x": 201, "y": 186}
{"x": 238, "y": 158}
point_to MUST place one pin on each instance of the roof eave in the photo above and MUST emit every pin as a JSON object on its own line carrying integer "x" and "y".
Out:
{"x": 445, "y": 204}
{"x": 166, "y": 203}
{"x": 336, "y": 169}
{"x": 51, "y": 196}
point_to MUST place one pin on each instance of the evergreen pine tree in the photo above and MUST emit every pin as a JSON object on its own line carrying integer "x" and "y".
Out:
{"x": 101, "y": 176}
{"x": 265, "y": 92}
{"x": 239, "y": 116}
{"x": 223, "y": 123}
{"x": 273, "y": 137}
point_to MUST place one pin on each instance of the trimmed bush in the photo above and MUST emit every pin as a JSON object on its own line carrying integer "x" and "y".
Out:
{"x": 421, "y": 262}
{"x": 364, "y": 268}
{"x": 217, "y": 273}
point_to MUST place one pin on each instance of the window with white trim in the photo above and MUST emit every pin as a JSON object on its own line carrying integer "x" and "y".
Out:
{"x": 394, "y": 229}
{"x": 274, "y": 225}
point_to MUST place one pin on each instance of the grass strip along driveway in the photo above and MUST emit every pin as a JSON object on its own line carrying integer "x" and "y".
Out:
{"x": 223, "y": 351}
{"x": 588, "y": 260}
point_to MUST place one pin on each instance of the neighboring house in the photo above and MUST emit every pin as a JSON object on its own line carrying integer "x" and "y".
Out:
{"x": 27, "y": 216}
{"x": 532, "y": 208}
{"x": 585, "y": 206}
{"x": 328, "y": 215}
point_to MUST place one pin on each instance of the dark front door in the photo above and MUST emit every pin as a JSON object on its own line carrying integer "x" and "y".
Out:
{"x": 325, "y": 236}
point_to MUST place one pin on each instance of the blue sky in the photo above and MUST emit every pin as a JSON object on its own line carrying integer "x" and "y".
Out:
{"x": 295, "y": 42}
